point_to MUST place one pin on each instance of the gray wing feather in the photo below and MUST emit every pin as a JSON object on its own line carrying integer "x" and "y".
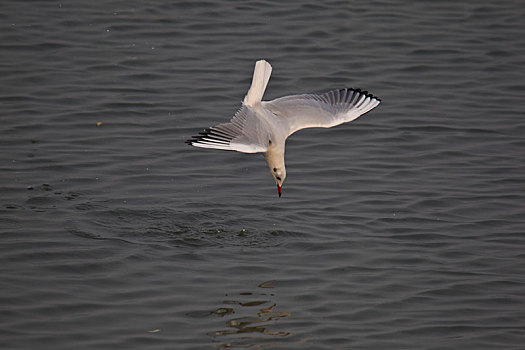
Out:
{"x": 324, "y": 111}
{"x": 244, "y": 133}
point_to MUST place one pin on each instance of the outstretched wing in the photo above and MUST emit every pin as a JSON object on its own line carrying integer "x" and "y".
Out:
{"x": 323, "y": 111}
{"x": 244, "y": 133}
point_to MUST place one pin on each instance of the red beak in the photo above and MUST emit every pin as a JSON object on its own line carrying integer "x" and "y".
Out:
{"x": 280, "y": 190}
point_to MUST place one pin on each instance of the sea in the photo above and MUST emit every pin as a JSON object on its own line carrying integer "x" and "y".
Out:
{"x": 404, "y": 229}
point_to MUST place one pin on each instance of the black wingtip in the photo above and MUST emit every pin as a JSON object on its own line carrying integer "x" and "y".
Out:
{"x": 364, "y": 92}
{"x": 197, "y": 138}
{"x": 210, "y": 136}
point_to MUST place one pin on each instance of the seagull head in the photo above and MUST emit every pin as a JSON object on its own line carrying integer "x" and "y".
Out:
{"x": 279, "y": 174}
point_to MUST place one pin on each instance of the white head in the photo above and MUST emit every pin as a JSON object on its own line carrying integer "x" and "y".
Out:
{"x": 278, "y": 174}
{"x": 275, "y": 160}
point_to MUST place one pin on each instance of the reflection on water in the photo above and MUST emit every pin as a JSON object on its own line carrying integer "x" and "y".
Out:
{"x": 255, "y": 314}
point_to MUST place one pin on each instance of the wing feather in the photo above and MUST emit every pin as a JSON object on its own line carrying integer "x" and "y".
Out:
{"x": 324, "y": 111}
{"x": 244, "y": 133}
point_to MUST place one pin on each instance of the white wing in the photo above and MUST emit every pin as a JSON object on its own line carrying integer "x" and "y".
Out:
{"x": 324, "y": 111}
{"x": 244, "y": 133}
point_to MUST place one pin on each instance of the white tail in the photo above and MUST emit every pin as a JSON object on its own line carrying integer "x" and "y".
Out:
{"x": 261, "y": 76}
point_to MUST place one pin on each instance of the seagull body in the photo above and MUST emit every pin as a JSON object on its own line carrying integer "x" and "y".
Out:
{"x": 264, "y": 126}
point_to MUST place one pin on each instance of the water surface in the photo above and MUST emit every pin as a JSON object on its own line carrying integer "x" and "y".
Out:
{"x": 401, "y": 230}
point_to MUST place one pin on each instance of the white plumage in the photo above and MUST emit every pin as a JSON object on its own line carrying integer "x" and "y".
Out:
{"x": 264, "y": 126}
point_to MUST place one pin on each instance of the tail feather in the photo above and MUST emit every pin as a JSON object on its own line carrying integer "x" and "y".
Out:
{"x": 261, "y": 76}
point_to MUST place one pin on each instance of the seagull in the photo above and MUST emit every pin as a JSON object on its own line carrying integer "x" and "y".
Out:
{"x": 263, "y": 126}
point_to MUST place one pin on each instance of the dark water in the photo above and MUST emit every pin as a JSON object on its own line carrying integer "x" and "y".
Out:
{"x": 402, "y": 230}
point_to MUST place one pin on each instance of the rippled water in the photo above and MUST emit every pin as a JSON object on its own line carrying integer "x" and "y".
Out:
{"x": 401, "y": 230}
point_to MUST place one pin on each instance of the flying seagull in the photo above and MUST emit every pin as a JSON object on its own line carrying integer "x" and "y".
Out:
{"x": 263, "y": 126}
